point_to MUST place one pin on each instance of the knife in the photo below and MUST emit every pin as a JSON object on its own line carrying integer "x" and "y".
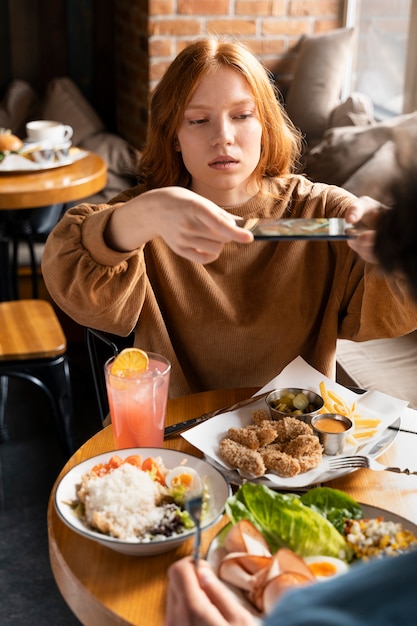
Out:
{"x": 181, "y": 426}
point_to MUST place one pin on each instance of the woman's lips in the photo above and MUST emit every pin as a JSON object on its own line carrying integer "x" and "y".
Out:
{"x": 223, "y": 163}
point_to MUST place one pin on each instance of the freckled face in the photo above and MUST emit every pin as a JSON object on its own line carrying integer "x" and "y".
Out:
{"x": 220, "y": 138}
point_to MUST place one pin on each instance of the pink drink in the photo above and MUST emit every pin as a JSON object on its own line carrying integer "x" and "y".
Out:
{"x": 138, "y": 404}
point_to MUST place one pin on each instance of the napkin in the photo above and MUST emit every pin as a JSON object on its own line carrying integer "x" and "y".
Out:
{"x": 207, "y": 436}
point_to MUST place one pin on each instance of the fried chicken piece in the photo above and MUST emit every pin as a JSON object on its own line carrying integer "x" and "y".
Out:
{"x": 303, "y": 445}
{"x": 259, "y": 416}
{"x": 248, "y": 461}
{"x": 245, "y": 436}
{"x": 279, "y": 462}
{"x": 253, "y": 436}
{"x": 265, "y": 432}
{"x": 289, "y": 428}
{"x": 310, "y": 461}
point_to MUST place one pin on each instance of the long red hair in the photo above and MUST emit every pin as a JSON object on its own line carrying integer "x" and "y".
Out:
{"x": 161, "y": 165}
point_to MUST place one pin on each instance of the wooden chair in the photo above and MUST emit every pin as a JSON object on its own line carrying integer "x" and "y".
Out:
{"x": 33, "y": 347}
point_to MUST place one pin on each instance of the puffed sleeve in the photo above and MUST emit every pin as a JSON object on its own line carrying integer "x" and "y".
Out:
{"x": 95, "y": 285}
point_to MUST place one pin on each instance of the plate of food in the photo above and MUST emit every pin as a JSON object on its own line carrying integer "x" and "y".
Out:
{"x": 285, "y": 453}
{"x": 276, "y": 541}
{"x": 25, "y": 159}
{"x": 134, "y": 500}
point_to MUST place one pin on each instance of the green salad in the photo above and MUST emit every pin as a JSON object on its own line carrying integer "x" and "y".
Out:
{"x": 309, "y": 524}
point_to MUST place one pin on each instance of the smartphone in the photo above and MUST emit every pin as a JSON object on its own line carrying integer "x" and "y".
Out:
{"x": 320, "y": 228}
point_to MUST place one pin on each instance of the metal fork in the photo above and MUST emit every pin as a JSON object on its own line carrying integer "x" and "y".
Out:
{"x": 194, "y": 507}
{"x": 352, "y": 462}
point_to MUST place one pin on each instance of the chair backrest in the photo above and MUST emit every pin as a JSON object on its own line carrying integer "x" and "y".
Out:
{"x": 101, "y": 347}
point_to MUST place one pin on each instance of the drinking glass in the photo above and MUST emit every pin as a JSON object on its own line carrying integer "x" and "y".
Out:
{"x": 138, "y": 403}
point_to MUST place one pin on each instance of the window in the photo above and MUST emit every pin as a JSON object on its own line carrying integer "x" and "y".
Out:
{"x": 384, "y": 63}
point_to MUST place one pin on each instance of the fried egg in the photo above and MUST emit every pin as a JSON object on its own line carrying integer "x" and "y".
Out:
{"x": 325, "y": 567}
{"x": 182, "y": 476}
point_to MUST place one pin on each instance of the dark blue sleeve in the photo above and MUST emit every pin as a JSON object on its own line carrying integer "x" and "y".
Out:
{"x": 381, "y": 593}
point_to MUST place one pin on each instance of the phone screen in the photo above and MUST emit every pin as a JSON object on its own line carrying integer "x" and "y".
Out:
{"x": 300, "y": 228}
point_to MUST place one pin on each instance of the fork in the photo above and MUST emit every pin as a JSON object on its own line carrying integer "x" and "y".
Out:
{"x": 352, "y": 462}
{"x": 194, "y": 507}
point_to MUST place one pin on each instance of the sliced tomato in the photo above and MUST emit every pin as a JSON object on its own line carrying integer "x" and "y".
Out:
{"x": 151, "y": 466}
{"x": 134, "y": 459}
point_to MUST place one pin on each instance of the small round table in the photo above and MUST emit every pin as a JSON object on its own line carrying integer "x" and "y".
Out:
{"x": 25, "y": 192}
{"x": 113, "y": 589}
{"x": 38, "y": 188}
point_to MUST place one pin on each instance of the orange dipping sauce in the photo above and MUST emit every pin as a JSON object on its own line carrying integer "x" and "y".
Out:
{"x": 330, "y": 425}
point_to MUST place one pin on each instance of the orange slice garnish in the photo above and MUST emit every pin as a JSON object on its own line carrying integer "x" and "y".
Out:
{"x": 129, "y": 362}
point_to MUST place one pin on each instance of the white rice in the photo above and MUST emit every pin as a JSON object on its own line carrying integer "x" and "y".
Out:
{"x": 123, "y": 503}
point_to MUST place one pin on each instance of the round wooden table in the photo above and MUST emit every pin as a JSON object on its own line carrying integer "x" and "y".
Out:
{"x": 22, "y": 193}
{"x": 107, "y": 588}
{"x": 32, "y": 189}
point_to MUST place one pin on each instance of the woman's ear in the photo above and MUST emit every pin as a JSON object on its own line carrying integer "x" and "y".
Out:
{"x": 177, "y": 146}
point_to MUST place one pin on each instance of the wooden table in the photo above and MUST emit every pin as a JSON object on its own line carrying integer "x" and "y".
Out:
{"x": 31, "y": 190}
{"x": 106, "y": 588}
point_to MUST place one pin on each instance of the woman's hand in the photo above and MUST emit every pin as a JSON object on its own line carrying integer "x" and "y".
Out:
{"x": 196, "y": 597}
{"x": 191, "y": 225}
{"x": 364, "y": 213}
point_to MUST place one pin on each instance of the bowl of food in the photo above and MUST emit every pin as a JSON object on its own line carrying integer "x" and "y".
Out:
{"x": 294, "y": 402}
{"x": 134, "y": 500}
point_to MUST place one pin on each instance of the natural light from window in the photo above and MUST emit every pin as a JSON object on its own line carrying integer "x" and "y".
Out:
{"x": 381, "y": 66}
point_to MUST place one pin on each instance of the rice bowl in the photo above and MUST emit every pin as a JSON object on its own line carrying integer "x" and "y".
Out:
{"x": 116, "y": 498}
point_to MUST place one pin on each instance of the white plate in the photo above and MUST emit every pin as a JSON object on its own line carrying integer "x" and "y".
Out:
{"x": 216, "y": 552}
{"x": 66, "y": 492}
{"x": 207, "y": 436}
{"x": 15, "y": 163}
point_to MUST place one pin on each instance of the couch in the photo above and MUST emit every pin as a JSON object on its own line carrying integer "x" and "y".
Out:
{"x": 345, "y": 145}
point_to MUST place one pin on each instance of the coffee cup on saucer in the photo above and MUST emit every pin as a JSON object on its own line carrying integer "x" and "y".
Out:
{"x": 49, "y": 131}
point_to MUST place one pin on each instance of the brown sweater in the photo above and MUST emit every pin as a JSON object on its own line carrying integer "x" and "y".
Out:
{"x": 238, "y": 321}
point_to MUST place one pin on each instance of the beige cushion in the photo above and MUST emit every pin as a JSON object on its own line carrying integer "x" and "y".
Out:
{"x": 119, "y": 155}
{"x": 315, "y": 88}
{"x": 356, "y": 110}
{"x": 65, "y": 103}
{"x": 343, "y": 150}
{"x": 20, "y": 102}
{"x": 387, "y": 365}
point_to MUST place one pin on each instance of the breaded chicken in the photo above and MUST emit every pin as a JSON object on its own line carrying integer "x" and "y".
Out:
{"x": 260, "y": 416}
{"x": 289, "y": 428}
{"x": 244, "y": 436}
{"x": 253, "y": 436}
{"x": 246, "y": 460}
{"x": 282, "y": 464}
{"x": 310, "y": 461}
{"x": 303, "y": 445}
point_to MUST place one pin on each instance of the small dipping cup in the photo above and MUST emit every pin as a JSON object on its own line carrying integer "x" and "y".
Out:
{"x": 332, "y": 430}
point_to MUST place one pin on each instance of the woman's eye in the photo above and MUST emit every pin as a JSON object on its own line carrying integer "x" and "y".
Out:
{"x": 196, "y": 122}
{"x": 243, "y": 116}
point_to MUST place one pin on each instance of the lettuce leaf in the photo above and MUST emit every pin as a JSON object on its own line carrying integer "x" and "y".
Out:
{"x": 334, "y": 505}
{"x": 284, "y": 520}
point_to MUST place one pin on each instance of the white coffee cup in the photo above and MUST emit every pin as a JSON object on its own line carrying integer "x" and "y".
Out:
{"x": 47, "y": 130}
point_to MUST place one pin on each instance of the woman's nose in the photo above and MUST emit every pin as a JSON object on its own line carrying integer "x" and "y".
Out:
{"x": 223, "y": 132}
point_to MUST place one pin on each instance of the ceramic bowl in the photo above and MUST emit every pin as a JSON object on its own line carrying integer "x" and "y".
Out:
{"x": 218, "y": 487}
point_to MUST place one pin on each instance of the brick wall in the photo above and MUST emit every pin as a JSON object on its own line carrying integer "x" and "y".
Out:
{"x": 150, "y": 33}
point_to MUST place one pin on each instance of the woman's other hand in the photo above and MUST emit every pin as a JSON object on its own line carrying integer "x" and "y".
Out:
{"x": 364, "y": 213}
{"x": 196, "y": 597}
